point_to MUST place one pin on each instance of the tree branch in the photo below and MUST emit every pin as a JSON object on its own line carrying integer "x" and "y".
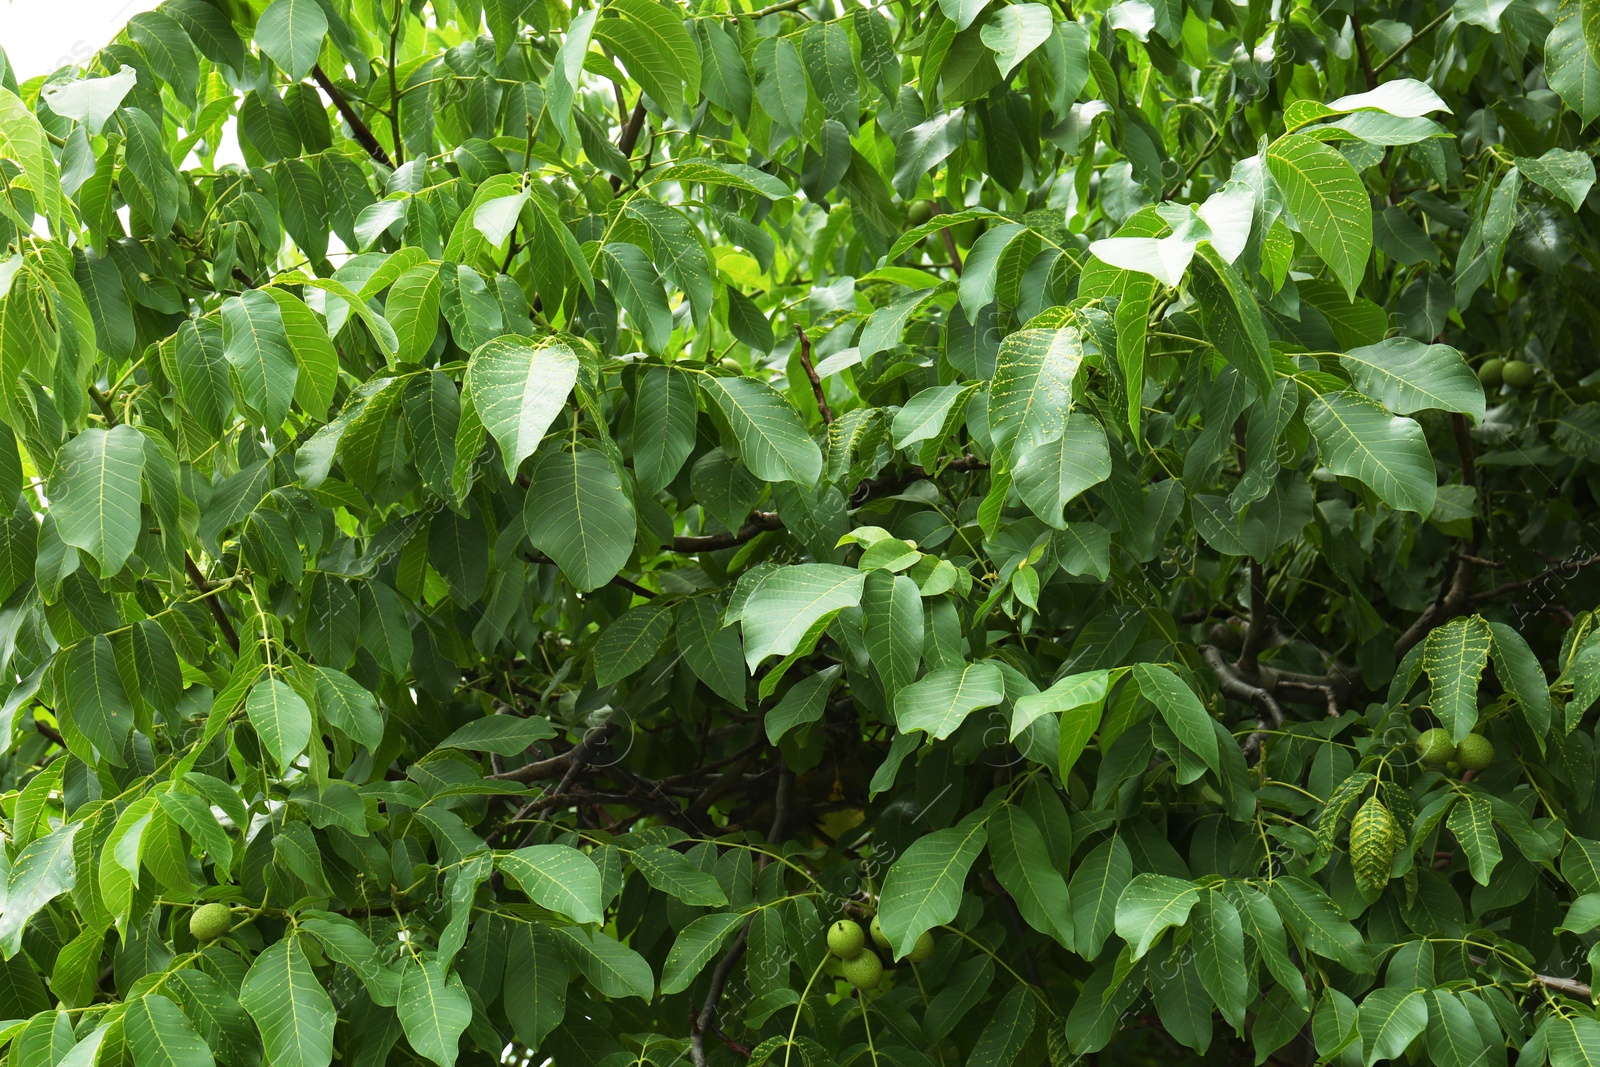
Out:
{"x": 706, "y": 1020}
{"x": 1269, "y": 716}
{"x": 352, "y": 118}
{"x": 1563, "y": 570}
{"x": 816, "y": 382}
{"x": 217, "y": 612}
{"x": 629, "y": 137}
{"x": 1255, "y": 634}
{"x": 759, "y": 522}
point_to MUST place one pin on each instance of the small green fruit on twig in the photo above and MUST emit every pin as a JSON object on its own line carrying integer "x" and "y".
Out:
{"x": 879, "y": 938}
{"x": 210, "y": 921}
{"x": 922, "y": 951}
{"x": 1475, "y": 753}
{"x": 865, "y": 971}
{"x": 1435, "y": 748}
{"x": 845, "y": 939}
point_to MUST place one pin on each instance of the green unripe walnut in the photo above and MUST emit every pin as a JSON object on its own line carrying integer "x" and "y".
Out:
{"x": 1490, "y": 373}
{"x": 845, "y": 939}
{"x": 210, "y": 921}
{"x": 865, "y": 971}
{"x": 922, "y": 951}
{"x": 879, "y": 938}
{"x": 1475, "y": 753}
{"x": 921, "y": 212}
{"x": 1435, "y": 747}
{"x": 1518, "y": 374}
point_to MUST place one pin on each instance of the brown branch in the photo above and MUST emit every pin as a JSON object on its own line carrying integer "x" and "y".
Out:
{"x": 758, "y": 523}
{"x": 1269, "y": 716}
{"x": 786, "y": 5}
{"x": 537, "y": 771}
{"x": 629, "y": 137}
{"x": 1563, "y": 570}
{"x": 1456, "y": 594}
{"x": 1255, "y": 634}
{"x": 49, "y": 733}
{"x": 1438, "y": 20}
{"x": 950, "y": 247}
{"x": 217, "y": 612}
{"x": 706, "y": 1020}
{"x": 1361, "y": 51}
{"x": 358, "y": 128}
{"x": 1561, "y": 985}
{"x": 811, "y": 373}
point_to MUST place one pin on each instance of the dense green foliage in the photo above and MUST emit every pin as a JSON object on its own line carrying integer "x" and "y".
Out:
{"x": 1095, "y": 501}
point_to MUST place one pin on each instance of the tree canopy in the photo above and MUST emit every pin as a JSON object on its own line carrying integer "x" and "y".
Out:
{"x": 832, "y": 535}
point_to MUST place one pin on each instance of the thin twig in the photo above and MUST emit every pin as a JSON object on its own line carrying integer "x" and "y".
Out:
{"x": 1415, "y": 37}
{"x": 787, "y": 5}
{"x": 352, "y": 118}
{"x": 759, "y": 522}
{"x": 49, "y": 733}
{"x": 1549, "y": 981}
{"x": 811, "y": 373}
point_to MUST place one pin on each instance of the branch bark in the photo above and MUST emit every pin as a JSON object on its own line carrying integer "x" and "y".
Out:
{"x": 811, "y": 373}
{"x": 217, "y": 612}
{"x": 629, "y": 137}
{"x": 352, "y": 118}
{"x": 705, "y": 1022}
{"x": 1269, "y": 716}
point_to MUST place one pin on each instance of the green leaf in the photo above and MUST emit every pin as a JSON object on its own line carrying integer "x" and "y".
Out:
{"x": 893, "y": 629}
{"x": 94, "y": 494}
{"x": 1388, "y": 453}
{"x": 1021, "y": 863}
{"x": 557, "y": 877}
{"x": 97, "y": 706}
{"x": 1389, "y": 1019}
{"x": 292, "y": 1010}
{"x": 1096, "y": 886}
{"x": 1014, "y": 32}
{"x": 256, "y": 344}
{"x": 1007, "y": 1032}
{"x": 434, "y": 1010}
{"x": 941, "y": 701}
{"x": 1454, "y": 656}
{"x": 664, "y": 426}
{"x": 634, "y": 279}
{"x": 506, "y": 735}
{"x": 804, "y": 703}
{"x": 1232, "y": 318}
{"x": 695, "y": 946}
{"x": 1181, "y": 710}
{"x": 1317, "y": 921}
{"x": 1032, "y": 391}
{"x": 654, "y": 45}
{"x": 314, "y": 355}
{"x": 1471, "y": 820}
{"x": 767, "y": 434}
{"x": 22, "y": 140}
{"x": 577, "y": 514}
{"x": 1149, "y": 905}
{"x": 671, "y": 873}
{"x": 1569, "y": 66}
{"x": 923, "y": 887}
{"x": 631, "y": 642}
{"x": 1519, "y": 671}
{"x": 290, "y": 32}
{"x": 41, "y": 872}
{"x": 1407, "y": 376}
{"x": 790, "y": 601}
{"x": 962, "y": 12}
{"x": 1052, "y": 475}
{"x": 518, "y": 388}
{"x": 713, "y": 652}
{"x": 1328, "y": 201}
{"x": 1568, "y": 175}
{"x": 160, "y": 1035}
{"x": 413, "y": 310}
{"x": 612, "y": 967}
{"x": 281, "y": 718}
{"x": 1218, "y": 946}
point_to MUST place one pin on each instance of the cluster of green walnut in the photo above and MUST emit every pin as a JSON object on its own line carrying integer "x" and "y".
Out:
{"x": 1474, "y": 753}
{"x": 862, "y": 968}
{"x": 1517, "y": 373}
